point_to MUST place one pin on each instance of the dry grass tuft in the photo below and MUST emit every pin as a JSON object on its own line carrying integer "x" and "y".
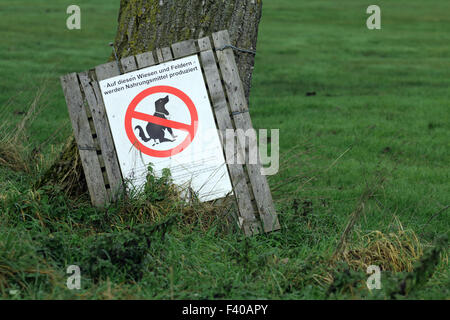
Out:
{"x": 205, "y": 215}
{"x": 396, "y": 251}
{"x": 14, "y": 150}
{"x": 12, "y": 155}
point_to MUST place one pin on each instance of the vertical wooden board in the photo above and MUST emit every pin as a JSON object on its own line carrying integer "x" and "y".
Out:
{"x": 145, "y": 59}
{"x": 95, "y": 102}
{"x": 83, "y": 137}
{"x": 247, "y": 217}
{"x": 241, "y": 190}
{"x": 183, "y": 49}
{"x": 102, "y": 72}
{"x": 238, "y": 104}
{"x": 159, "y": 55}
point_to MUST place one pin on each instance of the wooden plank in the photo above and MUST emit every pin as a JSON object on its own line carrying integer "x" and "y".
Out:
{"x": 128, "y": 64}
{"x": 204, "y": 44}
{"x": 166, "y": 54}
{"x": 84, "y": 139}
{"x": 184, "y": 48}
{"x": 242, "y": 193}
{"x": 102, "y": 72}
{"x": 145, "y": 59}
{"x": 159, "y": 55}
{"x": 247, "y": 219}
{"x": 108, "y": 153}
{"x": 107, "y": 70}
{"x": 238, "y": 104}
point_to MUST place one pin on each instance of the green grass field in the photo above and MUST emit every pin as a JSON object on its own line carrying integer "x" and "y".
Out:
{"x": 375, "y": 136}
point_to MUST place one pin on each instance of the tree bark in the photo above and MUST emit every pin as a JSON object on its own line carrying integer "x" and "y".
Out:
{"x": 148, "y": 24}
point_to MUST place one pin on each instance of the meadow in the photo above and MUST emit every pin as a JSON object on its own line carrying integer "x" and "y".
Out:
{"x": 364, "y": 176}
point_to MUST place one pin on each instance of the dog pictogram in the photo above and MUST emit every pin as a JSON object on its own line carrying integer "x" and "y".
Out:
{"x": 156, "y": 131}
{"x": 158, "y": 124}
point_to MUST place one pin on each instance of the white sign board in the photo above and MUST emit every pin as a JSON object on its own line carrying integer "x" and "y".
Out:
{"x": 162, "y": 115}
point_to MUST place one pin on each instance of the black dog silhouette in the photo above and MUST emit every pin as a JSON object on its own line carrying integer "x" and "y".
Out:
{"x": 155, "y": 131}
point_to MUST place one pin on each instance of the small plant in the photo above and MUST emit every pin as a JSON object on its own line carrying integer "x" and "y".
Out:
{"x": 157, "y": 189}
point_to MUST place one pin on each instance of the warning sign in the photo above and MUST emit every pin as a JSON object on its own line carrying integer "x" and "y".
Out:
{"x": 158, "y": 123}
{"x": 162, "y": 115}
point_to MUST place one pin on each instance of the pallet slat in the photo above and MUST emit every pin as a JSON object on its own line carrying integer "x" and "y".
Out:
{"x": 238, "y": 104}
{"x": 166, "y": 54}
{"x": 84, "y": 139}
{"x": 128, "y": 64}
{"x": 95, "y": 103}
{"x": 159, "y": 55}
{"x": 183, "y": 49}
{"x": 241, "y": 190}
{"x": 107, "y": 70}
{"x": 145, "y": 59}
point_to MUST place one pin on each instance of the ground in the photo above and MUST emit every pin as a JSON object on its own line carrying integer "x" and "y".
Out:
{"x": 364, "y": 137}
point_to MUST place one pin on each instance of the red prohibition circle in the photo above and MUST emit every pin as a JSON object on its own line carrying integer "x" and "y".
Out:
{"x": 190, "y": 128}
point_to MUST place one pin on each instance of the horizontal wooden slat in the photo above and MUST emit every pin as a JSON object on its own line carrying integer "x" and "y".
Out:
{"x": 184, "y": 48}
{"x": 145, "y": 59}
{"x": 107, "y": 70}
{"x": 128, "y": 64}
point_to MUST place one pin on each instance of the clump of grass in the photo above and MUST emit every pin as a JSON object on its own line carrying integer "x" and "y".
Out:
{"x": 16, "y": 152}
{"x": 205, "y": 216}
{"x": 13, "y": 155}
{"x": 395, "y": 251}
{"x": 369, "y": 192}
{"x": 125, "y": 252}
{"x": 403, "y": 261}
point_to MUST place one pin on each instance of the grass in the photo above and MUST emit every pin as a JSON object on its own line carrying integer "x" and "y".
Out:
{"x": 368, "y": 153}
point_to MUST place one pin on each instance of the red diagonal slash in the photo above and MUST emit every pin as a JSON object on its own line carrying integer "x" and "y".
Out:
{"x": 191, "y": 128}
{"x": 163, "y": 122}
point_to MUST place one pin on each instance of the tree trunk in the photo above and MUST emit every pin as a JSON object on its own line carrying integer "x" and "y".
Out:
{"x": 144, "y": 25}
{"x": 148, "y": 24}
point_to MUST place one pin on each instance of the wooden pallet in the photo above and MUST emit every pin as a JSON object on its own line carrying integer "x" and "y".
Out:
{"x": 95, "y": 143}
